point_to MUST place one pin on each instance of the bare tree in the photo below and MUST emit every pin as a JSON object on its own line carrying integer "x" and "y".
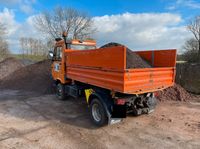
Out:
{"x": 2, "y": 29}
{"x": 4, "y": 50}
{"x": 194, "y": 27}
{"x": 77, "y": 24}
{"x": 191, "y": 50}
{"x": 23, "y": 47}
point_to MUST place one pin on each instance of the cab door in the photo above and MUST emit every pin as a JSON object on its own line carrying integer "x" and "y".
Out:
{"x": 57, "y": 66}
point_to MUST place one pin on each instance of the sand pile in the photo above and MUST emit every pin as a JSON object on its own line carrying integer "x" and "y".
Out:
{"x": 8, "y": 66}
{"x": 176, "y": 93}
{"x": 35, "y": 77}
{"x": 133, "y": 60}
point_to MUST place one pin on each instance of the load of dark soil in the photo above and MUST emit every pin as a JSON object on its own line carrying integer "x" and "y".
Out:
{"x": 35, "y": 77}
{"x": 133, "y": 60}
{"x": 8, "y": 66}
{"x": 176, "y": 93}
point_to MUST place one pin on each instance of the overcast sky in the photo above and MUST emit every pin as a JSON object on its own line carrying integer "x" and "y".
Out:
{"x": 139, "y": 24}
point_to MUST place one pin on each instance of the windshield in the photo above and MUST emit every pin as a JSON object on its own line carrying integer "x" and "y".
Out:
{"x": 81, "y": 47}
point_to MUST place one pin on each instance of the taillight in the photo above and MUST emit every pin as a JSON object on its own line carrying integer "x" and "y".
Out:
{"x": 156, "y": 94}
{"x": 120, "y": 101}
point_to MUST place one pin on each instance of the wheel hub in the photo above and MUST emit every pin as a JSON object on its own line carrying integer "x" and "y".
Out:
{"x": 96, "y": 112}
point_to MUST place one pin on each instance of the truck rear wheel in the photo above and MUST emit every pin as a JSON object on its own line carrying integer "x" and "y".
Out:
{"x": 98, "y": 113}
{"x": 60, "y": 91}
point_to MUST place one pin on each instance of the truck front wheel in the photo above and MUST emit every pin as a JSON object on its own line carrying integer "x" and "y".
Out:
{"x": 60, "y": 91}
{"x": 98, "y": 113}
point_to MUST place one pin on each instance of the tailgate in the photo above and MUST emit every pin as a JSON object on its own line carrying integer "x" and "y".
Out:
{"x": 137, "y": 81}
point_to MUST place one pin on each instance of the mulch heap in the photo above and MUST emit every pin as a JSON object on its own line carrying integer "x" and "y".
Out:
{"x": 176, "y": 93}
{"x": 35, "y": 77}
{"x": 133, "y": 60}
{"x": 8, "y": 66}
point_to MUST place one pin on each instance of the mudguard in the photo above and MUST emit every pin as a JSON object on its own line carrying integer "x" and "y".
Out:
{"x": 106, "y": 103}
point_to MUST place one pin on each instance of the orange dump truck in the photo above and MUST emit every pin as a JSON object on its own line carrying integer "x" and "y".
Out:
{"x": 100, "y": 75}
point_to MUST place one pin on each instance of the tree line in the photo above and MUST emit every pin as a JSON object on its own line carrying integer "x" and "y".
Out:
{"x": 32, "y": 46}
{"x": 4, "y": 49}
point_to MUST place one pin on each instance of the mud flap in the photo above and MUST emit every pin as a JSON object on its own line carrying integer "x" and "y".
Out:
{"x": 111, "y": 120}
{"x": 150, "y": 111}
{"x": 114, "y": 121}
{"x": 119, "y": 111}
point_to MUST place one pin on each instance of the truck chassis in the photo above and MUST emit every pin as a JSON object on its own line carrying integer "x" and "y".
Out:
{"x": 105, "y": 106}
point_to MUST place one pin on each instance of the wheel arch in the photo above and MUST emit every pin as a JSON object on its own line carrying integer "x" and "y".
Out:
{"x": 57, "y": 81}
{"x": 103, "y": 101}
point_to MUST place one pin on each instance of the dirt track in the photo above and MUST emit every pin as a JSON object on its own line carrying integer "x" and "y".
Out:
{"x": 32, "y": 121}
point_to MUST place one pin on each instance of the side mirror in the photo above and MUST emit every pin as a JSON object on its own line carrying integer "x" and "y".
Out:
{"x": 50, "y": 55}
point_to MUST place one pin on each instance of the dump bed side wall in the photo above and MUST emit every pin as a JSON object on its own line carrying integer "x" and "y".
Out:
{"x": 106, "y": 68}
{"x": 111, "y": 80}
{"x": 112, "y": 58}
{"x": 159, "y": 58}
{"x": 137, "y": 81}
{"x": 102, "y": 67}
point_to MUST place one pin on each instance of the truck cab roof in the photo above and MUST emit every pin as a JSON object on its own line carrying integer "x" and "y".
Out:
{"x": 60, "y": 41}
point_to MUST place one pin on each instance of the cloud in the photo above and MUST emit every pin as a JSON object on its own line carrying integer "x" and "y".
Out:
{"x": 142, "y": 30}
{"x": 10, "y": 2}
{"x": 192, "y": 4}
{"x": 25, "y": 6}
{"x": 15, "y": 30}
{"x": 27, "y": 28}
{"x": 138, "y": 31}
{"x": 7, "y": 17}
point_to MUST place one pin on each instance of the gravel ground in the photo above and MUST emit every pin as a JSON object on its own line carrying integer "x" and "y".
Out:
{"x": 28, "y": 120}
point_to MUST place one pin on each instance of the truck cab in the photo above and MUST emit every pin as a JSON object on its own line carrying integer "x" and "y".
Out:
{"x": 59, "y": 56}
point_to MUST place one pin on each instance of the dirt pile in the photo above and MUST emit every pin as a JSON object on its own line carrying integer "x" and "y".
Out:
{"x": 176, "y": 93}
{"x": 8, "y": 66}
{"x": 133, "y": 60}
{"x": 35, "y": 77}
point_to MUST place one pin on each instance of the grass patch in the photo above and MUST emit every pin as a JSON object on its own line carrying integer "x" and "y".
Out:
{"x": 30, "y": 57}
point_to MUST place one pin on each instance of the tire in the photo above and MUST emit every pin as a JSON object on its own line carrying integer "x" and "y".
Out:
{"x": 60, "y": 91}
{"x": 98, "y": 114}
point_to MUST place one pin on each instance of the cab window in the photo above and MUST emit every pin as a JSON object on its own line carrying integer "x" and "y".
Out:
{"x": 58, "y": 53}
{"x": 81, "y": 47}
